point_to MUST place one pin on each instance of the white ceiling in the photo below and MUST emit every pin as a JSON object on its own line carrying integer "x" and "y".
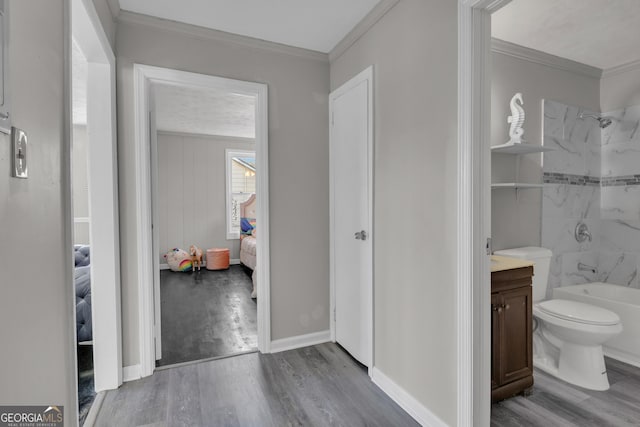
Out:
{"x": 79, "y": 85}
{"x": 204, "y": 111}
{"x": 600, "y": 33}
{"x": 311, "y": 24}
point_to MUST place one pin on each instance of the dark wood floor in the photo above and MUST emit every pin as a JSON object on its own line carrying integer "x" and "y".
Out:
{"x": 314, "y": 386}
{"x": 557, "y": 403}
{"x": 206, "y": 314}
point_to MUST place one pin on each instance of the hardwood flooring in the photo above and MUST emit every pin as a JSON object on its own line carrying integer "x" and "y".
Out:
{"x": 206, "y": 314}
{"x": 314, "y": 386}
{"x": 557, "y": 403}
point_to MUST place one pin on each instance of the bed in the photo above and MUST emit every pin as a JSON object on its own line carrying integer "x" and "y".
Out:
{"x": 82, "y": 282}
{"x": 248, "y": 233}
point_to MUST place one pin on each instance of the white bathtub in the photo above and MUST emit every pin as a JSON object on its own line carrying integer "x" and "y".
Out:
{"x": 623, "y": 301}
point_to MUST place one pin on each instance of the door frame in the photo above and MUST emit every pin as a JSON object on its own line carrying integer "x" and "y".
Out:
{"x": 144, "y": 77}
{"x": 104, "y": 228}
{"x": 364, "y": 76}
{"x": 473, "y": 283}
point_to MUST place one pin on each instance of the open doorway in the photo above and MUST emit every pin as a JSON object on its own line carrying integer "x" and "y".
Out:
{"x": 559, "y": 201}
{"x": 146, "y": 81}
{"x": 204, "y": 187}
{"x": 95, "y": 208}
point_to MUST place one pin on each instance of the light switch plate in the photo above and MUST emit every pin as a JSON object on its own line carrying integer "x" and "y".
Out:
{"x": 19, "y": 153}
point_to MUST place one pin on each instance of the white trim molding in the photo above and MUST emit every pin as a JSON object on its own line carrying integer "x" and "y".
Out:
{"x": 144, "y": 76}
{"x": 131, "y": 373}
{"x": 621, "y": 69}
{"x": 300, "y": 341}
{"x": 406, "y": 401}
{"x": 474, "y": 216}
{"x": 202, "y": 33}
{"x": 543, "y": 58}
{"x": 361, "y": 28}
{"x": 104, "y": 226}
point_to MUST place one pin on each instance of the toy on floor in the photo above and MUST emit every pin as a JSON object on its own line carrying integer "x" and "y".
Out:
{"x": 196, "y": 256}
{"x": 179, "y": 260}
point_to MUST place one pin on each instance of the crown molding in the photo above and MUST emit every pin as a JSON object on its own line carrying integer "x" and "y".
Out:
{"x": 136, "y": 19}
{"x": 542, "y": 58}
{"x": 621, "y": 69}
{"x": 114, "y": 7}
{"x": 361, "y": 28}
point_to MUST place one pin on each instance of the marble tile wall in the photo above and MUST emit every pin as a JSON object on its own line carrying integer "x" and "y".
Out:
{"x": 571, "y": 194}
{"x": 619, "y": 260}
{"x": 593, "y": 177}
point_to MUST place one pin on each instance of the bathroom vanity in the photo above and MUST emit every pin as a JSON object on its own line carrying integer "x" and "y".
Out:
{"x": 511, "y": 327}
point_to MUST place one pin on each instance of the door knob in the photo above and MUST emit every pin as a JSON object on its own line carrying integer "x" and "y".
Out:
{"x": 361, "y": 235}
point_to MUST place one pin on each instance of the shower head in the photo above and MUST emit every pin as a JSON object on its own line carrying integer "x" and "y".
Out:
{"x": 604, "y": 121}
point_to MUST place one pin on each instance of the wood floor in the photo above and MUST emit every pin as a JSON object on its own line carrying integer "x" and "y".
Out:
{"x": 206, "y": 314}
{"x": 557, "y": 403}
{"x": 314, "y": 386}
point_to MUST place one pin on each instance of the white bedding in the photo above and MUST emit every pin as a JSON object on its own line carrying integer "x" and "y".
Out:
{"x": 248, "y": 258}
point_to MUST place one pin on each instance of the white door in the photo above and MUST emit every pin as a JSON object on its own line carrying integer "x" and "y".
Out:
{"x": 351, "y": 174}
{"x": 155, "y": 230}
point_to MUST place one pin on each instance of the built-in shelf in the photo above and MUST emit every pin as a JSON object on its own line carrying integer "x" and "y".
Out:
{"x": 515, "y": 185}
{"x": 520, "y": 148}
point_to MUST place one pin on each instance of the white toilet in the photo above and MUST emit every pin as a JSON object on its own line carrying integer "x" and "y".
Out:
{"x": 568, "y": 335}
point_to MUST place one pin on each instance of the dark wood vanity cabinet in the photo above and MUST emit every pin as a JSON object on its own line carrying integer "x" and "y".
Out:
{"x": 511, "y": 332}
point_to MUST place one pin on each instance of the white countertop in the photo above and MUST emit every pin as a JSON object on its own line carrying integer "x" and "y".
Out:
{"x": 501, "y": 263}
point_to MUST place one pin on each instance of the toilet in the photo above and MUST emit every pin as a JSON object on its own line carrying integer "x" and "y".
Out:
{"x": 567, "y": 335}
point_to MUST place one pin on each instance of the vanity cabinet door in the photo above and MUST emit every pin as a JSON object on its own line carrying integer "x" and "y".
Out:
{"x": 516, "y": 353}
{"x": 496, "y": 302}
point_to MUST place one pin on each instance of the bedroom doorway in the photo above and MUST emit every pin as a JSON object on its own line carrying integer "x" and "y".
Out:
{"x": 176, "y": 211}
{"x": 351, "y": 222}
{"x": 203, "y": 164}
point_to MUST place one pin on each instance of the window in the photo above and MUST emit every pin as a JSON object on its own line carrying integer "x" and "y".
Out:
{"x": 241, "y": 184}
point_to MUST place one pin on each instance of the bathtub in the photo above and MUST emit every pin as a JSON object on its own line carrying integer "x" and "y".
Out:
{"x": 623, "y": 301}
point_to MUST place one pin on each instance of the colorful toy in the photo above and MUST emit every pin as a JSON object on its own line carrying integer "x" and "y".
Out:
{"x": 196, "y": 256}
{"x": 179, "y": 260}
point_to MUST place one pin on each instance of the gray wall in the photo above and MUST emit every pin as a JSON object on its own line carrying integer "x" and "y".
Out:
{"x": 298, "y": 160}
{"x": 37, "y": 361}
{"x": 620, "y": 91}
{"x": 192, "y": 192}
{"x": 516, "y": 221}
{"x": 80, "y": 183}
{"x": 414, "y": 51}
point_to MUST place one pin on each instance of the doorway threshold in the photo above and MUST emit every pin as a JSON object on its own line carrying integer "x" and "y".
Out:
{"x": 208, "y": 359}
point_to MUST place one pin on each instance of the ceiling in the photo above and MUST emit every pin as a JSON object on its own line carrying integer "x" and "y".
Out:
{"x": 311, "y": 24}
{"x": 204, "y": 111}
{"x": 600, "y": 33}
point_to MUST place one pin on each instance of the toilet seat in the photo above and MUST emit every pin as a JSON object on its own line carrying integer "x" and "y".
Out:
{"x": 578, "y": 312}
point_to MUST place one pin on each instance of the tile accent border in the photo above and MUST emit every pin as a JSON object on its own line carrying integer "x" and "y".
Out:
{"x": 616, "y": 181}
{"x": 609, "y": 181}
{"x": 565, "y": 178}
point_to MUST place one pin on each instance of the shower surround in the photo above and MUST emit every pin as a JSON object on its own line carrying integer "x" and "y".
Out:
{"x": 593, "y": 177}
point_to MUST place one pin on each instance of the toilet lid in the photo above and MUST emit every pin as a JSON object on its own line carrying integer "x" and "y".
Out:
{"x": 579, "y": 312}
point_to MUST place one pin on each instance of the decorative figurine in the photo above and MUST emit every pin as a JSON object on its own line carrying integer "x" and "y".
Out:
{"x": 516, "y": 119}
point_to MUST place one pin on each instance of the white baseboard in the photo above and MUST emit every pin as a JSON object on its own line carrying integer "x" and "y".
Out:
{"x": 300, "y": 341}
{"x": 407, "y": 402}
{"x": 204, "y": 264}
{"x": 622, "y": 356}
{"x": 131, "y": 373}
{"x": 92, "y": 416}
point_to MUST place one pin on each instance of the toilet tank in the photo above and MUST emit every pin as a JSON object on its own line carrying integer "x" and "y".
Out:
{"x": 542, "y": 259}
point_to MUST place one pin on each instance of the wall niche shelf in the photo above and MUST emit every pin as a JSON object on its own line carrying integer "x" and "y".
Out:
{"x": 520, "y": 148}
